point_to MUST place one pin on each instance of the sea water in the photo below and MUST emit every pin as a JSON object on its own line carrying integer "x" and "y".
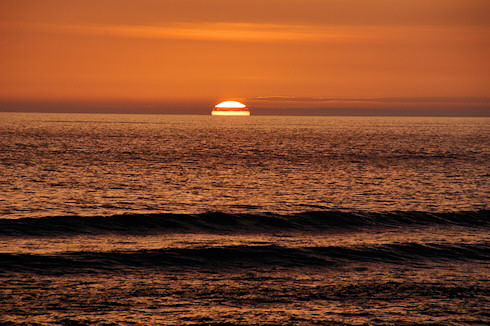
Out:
{"x": 159, "y": 219}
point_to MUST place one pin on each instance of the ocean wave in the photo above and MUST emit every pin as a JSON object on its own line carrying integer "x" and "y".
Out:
{"x": 246, "y": 256}
{"x": 316, "y": 221}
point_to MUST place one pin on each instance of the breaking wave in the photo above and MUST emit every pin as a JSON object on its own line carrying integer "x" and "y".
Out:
{"x": 245, "y": 256}
{"x": 316, "y": 221}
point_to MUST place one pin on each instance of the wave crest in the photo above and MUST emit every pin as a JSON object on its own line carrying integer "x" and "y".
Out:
{"x": 316, "y": 221}
{"x": 246, "y": 256}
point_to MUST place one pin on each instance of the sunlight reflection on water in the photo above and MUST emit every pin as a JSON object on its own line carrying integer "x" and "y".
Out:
{"x": 106, "y": 164}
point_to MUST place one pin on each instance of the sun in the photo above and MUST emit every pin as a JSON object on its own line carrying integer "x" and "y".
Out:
{"x": 231, "y": 105}
{"x": 230, "y": 108}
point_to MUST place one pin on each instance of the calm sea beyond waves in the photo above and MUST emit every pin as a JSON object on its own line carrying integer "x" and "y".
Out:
{"x": 260, "y": 220}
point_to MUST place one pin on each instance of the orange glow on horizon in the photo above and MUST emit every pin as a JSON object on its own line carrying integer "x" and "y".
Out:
{"x": 149, "y": 55}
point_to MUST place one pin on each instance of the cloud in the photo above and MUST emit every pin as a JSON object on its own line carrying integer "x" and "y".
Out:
{"x": 361, "y": 106}
{"x": 413, "y": 100}
{"x": 255, "y": 32}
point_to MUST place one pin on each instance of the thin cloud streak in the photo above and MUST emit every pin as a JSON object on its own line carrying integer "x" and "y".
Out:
{"x": 372, "y": 99}
{"x": 254, "y": 32}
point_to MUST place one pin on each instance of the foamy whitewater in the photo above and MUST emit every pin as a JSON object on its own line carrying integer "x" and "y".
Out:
{"x": 200, "y": 220}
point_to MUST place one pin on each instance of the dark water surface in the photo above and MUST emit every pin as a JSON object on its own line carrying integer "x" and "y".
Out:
{"x": 195, "y": 220}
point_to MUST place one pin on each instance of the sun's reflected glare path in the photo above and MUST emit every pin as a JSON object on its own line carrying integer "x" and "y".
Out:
{"x": 231, "y": 112}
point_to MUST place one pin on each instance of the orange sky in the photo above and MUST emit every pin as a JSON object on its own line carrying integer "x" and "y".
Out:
{"x": 415, "y": 54}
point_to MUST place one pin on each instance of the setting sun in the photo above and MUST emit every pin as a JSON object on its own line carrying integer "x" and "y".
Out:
{"x": 356, "y": 194}
{"x": 230, "y": 108}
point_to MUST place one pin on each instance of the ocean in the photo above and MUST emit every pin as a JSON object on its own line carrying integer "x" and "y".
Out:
{"x": 261, "y": 220}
